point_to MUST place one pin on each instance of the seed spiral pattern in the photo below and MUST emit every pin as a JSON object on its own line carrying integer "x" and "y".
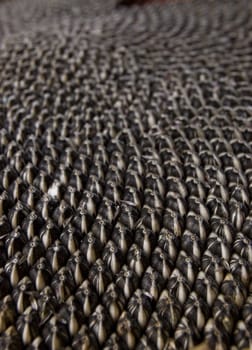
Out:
{"x": 125, "y": 175}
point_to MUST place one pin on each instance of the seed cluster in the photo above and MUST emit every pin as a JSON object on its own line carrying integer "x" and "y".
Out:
{"x": 125, "y": 175}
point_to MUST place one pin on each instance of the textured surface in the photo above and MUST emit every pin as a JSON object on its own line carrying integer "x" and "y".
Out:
{"x": 125, "y": 175}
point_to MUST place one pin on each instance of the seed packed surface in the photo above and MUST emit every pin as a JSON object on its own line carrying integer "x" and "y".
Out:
{"x": 125, "y": 175}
